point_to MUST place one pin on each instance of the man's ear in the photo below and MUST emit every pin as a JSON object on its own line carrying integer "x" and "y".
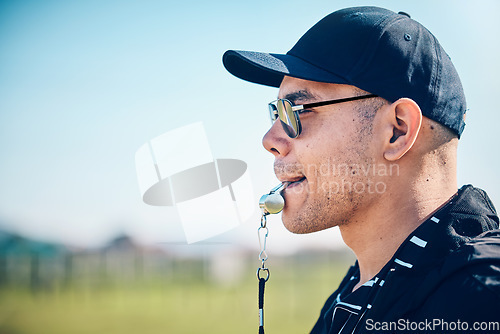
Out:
{"x": 403, "y": 122}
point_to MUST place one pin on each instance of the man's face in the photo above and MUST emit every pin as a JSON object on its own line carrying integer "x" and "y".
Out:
{"x": 331, "y": 163}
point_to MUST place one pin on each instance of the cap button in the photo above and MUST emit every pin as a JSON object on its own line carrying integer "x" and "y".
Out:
{"x": 405, "y": 14}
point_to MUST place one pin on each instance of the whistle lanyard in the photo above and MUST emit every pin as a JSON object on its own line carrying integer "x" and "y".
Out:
{"x": 262, "y": 232}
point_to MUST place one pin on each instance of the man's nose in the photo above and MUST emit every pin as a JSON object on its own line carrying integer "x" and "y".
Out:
{"x": 276, "y": 140}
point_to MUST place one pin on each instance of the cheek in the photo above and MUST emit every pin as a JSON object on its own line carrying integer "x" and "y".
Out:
{"x": 334, "y": 165}
{"x": 311, "y": 157}
{"x": 329, "y": 130}
{"x": 332, "y": 144}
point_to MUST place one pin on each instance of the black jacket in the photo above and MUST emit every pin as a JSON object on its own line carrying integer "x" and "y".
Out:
{"x": 454, "y": 284}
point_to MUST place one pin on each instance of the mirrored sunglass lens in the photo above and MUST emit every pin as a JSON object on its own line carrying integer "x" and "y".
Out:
{"x": 273, "y": 111}
{"x": 287, "y": 118}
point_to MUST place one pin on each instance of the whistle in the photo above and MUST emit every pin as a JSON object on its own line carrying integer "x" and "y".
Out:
{"x": 273, "y": 202}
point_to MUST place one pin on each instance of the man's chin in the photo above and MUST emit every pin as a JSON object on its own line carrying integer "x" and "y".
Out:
{"x": 296, "y": 226}
{"x": 302, "y": 223}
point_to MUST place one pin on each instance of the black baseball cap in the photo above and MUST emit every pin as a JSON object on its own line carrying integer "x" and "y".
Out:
{"x": 380, "y": 51}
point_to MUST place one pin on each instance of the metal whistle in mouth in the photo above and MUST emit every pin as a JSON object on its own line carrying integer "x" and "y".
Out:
{"x": 273, "y": 202}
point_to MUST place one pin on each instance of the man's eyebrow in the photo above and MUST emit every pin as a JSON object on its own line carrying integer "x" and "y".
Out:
{"x": 301, "y": 95}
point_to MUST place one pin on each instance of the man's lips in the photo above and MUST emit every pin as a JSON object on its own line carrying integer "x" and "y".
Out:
{"x": 291, "y": 179}
{"x": 296, "y": 182}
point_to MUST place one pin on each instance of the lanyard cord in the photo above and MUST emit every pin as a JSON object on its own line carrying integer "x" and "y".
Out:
{"x": 263, "y": 232}
{"x": 262, "y": 285}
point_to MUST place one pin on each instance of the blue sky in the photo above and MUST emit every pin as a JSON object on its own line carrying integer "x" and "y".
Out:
{"x": 83, "y": 84}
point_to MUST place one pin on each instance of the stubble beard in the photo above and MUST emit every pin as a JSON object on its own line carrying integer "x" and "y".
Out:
{"x": 322, "y": 213}
{"x": 325, "y": 207}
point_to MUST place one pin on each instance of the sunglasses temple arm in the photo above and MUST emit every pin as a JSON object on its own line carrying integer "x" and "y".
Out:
{"x": 324, "y": 103}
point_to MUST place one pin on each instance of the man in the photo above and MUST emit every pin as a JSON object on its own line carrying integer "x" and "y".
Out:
{"x": 370, "y": 113}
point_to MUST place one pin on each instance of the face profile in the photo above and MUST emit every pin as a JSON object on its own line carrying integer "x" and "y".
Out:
{"x": 321, "y": 164}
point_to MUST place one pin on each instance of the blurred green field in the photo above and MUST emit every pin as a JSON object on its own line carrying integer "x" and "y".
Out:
{"x": 295, "y": 294}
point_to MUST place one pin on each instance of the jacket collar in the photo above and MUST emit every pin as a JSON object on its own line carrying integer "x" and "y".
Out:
{"x": 443, "y": 244}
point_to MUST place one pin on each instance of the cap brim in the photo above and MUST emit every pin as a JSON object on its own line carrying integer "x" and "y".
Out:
{"x": 269, "y": 68}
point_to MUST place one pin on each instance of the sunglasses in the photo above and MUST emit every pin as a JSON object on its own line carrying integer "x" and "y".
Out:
{"x": 289, "y": 114}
